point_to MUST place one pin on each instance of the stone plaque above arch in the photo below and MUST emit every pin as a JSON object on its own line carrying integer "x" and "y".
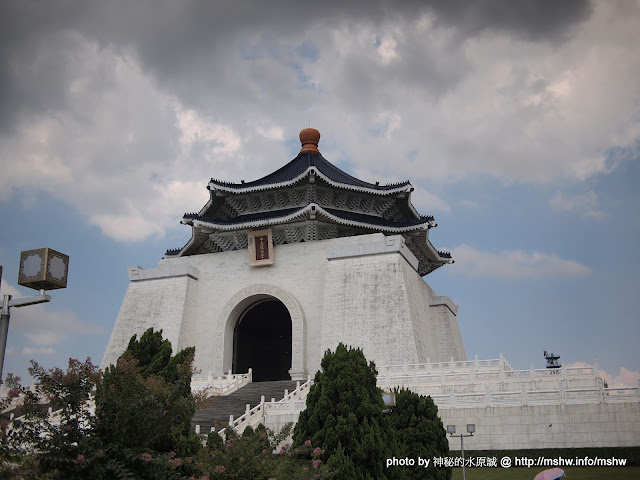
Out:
{"x": 238, "y": 304}
{"x": 260, "y": 246}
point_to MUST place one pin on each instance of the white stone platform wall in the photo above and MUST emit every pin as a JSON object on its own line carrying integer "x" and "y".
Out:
{"x": 374, "y": 299}
{"x": 512, "y": 409}
{"x": 361, "y": 290}
{"x": 546, "y": 426}
{"x": 162, "y": 298}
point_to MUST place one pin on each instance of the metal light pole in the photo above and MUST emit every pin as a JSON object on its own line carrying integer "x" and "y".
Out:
{"x": 41, "y": 269}
{"x": 451, "y": 430}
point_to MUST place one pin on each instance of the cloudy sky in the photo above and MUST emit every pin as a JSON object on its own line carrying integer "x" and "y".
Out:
{"x": 518, "y": 123}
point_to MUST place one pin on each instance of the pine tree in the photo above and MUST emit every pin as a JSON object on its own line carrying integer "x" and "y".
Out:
{"x": 420, "y": 434}
{"x": 145, "y": 401}
{"x": 344, "y": 417}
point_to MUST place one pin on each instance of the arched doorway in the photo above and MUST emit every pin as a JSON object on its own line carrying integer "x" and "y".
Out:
{"x": 262, "y": 341}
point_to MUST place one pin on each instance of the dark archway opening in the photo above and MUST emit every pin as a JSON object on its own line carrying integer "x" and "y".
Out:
{"x": 262, "y": 342}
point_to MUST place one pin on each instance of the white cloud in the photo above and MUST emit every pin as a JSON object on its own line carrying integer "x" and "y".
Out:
{"x": 428, "y": 203}
{"x": 513, "y": 264}
{"x": 195, "y": 128}
{"x": 585, "y": 204}
{"x": 491, "y": 103}
{"x": 272, "y": 132}
{"x": 30, "y": 351}
{"x": 45, "y": 337}
{"x": 623, "y": 379}
{"x": 387, "y": 49}
{"x": 37, "y": 351}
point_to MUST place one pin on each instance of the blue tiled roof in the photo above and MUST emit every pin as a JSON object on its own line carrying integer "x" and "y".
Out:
{"x": 349, "y": 216}
{"x": 297, "y": 167}
{"x": 251, "y": 217}
{"x": 379, "y": 221}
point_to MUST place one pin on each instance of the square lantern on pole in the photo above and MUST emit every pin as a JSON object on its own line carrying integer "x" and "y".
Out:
{"x": 43, "y": 269}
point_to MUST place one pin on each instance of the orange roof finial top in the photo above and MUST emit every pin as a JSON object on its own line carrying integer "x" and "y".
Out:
{"x": 309, "y": 137}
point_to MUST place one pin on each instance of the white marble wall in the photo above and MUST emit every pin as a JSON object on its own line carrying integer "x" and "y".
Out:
{"x": 546, "y": 426}
{"x": 533, "y": 427}
{"x": 362, "y": 291}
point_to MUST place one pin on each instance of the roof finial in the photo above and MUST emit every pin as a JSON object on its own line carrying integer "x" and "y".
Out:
{"x": 309, "y": 138}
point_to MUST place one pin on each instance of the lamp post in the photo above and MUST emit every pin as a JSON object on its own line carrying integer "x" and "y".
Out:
{"x": 471, "y": 429}
{"x": 389, "y": 399}
{"x": 41, "y": 269}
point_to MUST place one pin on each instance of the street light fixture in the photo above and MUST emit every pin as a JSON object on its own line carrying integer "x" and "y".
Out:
{"x": 389, "y": 399}
{"x": 471, "y": 429}
{"x": 41, "y": 269}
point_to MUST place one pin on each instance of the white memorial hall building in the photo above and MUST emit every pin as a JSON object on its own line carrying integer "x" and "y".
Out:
{"x": 280, "y": 269}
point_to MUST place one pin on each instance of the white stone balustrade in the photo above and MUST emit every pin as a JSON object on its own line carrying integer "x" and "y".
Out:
{"x": 220, "y": 385}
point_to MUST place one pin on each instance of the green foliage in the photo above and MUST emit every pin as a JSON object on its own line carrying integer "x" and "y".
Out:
{"x": 344, "y": 417}
{"x": 341, "y": 463}
{"x": 141, "y": 429}
{"x": 251, "y": 455}
{"x": 145, "y": 401}
{"x": 420, "y": 434}
{"x": 57, "y": 443}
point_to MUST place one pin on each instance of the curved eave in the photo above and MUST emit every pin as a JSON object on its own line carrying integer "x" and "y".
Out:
{"x": 306, "y": 212}
{"x": 311, "y": 170}
{"x": 441, "y": 256}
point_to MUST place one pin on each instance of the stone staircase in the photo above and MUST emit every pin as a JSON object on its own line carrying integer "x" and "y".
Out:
{"x": 220, "y": 408}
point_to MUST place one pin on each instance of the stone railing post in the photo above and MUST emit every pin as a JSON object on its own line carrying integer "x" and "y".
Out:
{"x": 601, "y": 396}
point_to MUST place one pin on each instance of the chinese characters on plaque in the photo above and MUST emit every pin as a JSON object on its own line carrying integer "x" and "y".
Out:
{"x": 260, "y": 248}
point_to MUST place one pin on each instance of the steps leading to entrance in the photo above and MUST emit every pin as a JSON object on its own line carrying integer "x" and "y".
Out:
{"x": 235, "y": 404}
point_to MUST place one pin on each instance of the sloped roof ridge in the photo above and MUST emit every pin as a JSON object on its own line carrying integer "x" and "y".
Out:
{"x": 323, "y": 162}
{"x": 273, "y": 214}
{"x": 296, "y": 167}
{"x": 336, "y": 213}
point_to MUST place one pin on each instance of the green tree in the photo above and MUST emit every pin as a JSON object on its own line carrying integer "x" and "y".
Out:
{"x": 141, "y": 426}
{"x": 420, "y": 434}
{"x": 56, "y": 444}
{"x": 145, "y": 401}
{"x": 344, "y": 417}
{"x": 262, "y": 454}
